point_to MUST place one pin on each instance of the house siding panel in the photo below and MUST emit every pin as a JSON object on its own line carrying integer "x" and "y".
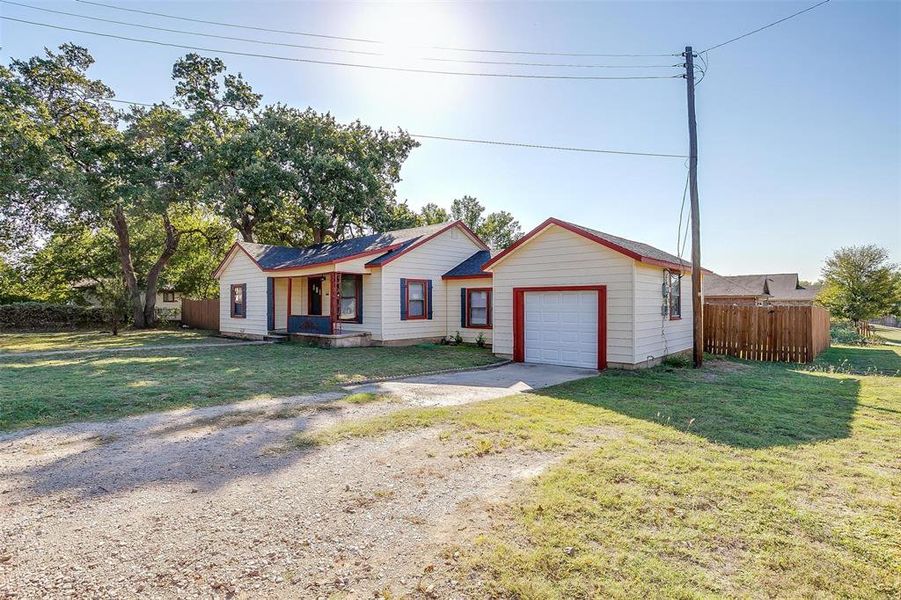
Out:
{"x": 454, "y": 317}
{"x": 241, "y": 269}
{"x": 656, "y": 335}
{"x": 429, "y": 261}
{"x": 557, "y": 257}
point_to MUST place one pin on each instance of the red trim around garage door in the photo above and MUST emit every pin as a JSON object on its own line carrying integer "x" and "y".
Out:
{"x": 519, "y": 346}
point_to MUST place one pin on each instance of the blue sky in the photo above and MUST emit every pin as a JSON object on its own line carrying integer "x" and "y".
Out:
{"x": 799, "y": 125}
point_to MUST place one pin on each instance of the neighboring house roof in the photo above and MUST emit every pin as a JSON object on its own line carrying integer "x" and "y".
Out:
{"x": 388, "y": 246}
{"x": 471, "y": 267}
{"x": 772, "y": 286}
{"x": 637, "y": 250}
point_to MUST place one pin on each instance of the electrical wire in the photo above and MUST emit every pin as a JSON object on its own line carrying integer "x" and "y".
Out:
{"x": 336, "y": 63}
{"x": 328, "y": 49}
{"x": 542, "y": 147}
{"x": 366, "y": 40}
{"x": 759, "y": 29}
{"x": 488, "y": 142}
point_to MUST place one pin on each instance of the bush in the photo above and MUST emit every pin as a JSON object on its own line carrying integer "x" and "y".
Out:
{"x": 844, "y": 332}
{"x": 46, "y": 316}
{"x": 677, "y": 361}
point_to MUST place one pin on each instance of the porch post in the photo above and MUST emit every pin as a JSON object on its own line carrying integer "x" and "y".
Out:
{"x": 335, "y": 280}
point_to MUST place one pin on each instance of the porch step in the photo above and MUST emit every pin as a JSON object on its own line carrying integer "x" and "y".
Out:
{"x": 276, "y": 337}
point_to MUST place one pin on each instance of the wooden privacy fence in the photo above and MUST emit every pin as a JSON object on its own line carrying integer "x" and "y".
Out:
{"x": 772, "y": 333}
{"x": 200, "y": 314}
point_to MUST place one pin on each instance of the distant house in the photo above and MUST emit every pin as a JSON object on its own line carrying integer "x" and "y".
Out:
{"x": 168, "y": 299}
{"x": 758, "y": 290}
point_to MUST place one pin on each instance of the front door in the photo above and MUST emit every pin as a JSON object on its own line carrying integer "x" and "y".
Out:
{"x": 314, "y": 296}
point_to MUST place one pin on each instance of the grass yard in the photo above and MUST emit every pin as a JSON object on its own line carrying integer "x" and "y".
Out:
{"x": 12, "y": 343}
{"x": 888, "y": 334}
{"x": 870, "y": 359}
{"x": 58, "y": 389}
{"x": 742, "y": 479}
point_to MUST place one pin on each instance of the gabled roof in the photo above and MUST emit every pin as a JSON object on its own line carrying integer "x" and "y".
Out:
{"x": 386, "y": 246}
{"x": 471, "y": 267}
{"x": 637, "y": 250}
{"x": 775, "y": 286}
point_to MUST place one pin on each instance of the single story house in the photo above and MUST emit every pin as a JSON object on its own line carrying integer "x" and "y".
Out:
{"x": 384, "y": 288}
{"x": 563, "y": 294}
{"x": 759, "y": 290}
{"x": 168, "y": 299}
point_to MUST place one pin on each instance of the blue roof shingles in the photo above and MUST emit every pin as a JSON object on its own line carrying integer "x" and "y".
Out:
{"x": 284, "y": 257}
{"x": 472, "y": 266}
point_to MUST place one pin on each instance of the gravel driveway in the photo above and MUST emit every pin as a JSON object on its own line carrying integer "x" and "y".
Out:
{"x": 209, "y": 502}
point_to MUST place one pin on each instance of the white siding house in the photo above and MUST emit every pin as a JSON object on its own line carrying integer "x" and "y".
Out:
{"x": 563, "y": 294}
{"x": 296, "y": 290}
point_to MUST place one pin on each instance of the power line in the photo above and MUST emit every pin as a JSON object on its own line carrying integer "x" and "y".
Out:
{"x": 759, "y": 29}
{"x": 365, "y": 40}
{"x": 337, "y": 63}
{"x": 328, "y": 49}
{"x": 542, "y": 146}
{"x": 489, "y": 142}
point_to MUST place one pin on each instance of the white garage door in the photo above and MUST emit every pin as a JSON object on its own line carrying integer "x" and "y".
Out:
{"x": 561, "y": 328}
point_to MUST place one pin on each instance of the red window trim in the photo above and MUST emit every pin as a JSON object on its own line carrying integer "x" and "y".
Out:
{"x": 469, "y": 324}
{"x": 425, "y": 300}
{"x": 231, "y": 298}
{"x": 359, "y": 297}
{"x": 669, "y": 299}
{"x": 519, "y": 346}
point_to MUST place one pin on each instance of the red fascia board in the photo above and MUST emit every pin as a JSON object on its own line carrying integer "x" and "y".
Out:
{"x": 476, "y": 276}
{"x": 588, "y": 235}
{"x": 422, "y": 241}
{"x": 228, "y": 255}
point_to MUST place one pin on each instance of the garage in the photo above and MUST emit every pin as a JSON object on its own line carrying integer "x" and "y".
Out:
{"x": 565, "y": 294}
{"x": 561, "y": 328}
{"x": 563, "y": 325}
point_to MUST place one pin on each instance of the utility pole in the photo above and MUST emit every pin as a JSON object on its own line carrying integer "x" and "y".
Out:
{"x": 697, "y": 307}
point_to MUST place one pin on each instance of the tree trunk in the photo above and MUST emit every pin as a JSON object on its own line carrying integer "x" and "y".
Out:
{"x": 153, "y": 276}
{"x": 120, "y": 226}
{"x": 245, "y": 228}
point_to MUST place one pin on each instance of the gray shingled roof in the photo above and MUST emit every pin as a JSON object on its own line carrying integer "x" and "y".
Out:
{"x": 637, "y": 247}
{"x": 284, "y": 257}
{"x": 471, "y": 266}
{"x": 776, "y": 286}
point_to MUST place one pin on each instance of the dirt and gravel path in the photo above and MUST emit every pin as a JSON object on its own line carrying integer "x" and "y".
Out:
{"x": 208, "y": 502}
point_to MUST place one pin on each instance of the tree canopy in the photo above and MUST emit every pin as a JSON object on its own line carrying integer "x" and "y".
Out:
{"x": 861, "y": 284}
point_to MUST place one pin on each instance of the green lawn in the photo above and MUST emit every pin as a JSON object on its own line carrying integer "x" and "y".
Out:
{"x": 871, "y": 359}
{"x": 57, "y": 389}
{"x": 742, "y": 479}
{"x": 11, "y": 343}
{"x": 889, "y": 334}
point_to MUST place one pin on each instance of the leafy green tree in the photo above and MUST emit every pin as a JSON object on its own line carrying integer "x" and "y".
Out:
{"x": 86, "y": 164}
{"x": 498, "y": 229}
{"x": 432, "y": 214}
{"x": 861, "y": 284}
{"x": 337, "y": 179}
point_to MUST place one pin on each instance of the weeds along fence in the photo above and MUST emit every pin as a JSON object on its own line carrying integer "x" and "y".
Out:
{"x": 200, "y": 314}
{"x": 769, "y": 333}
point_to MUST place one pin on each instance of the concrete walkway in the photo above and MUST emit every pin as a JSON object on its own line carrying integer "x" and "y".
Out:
{"x": 470, "y": 386}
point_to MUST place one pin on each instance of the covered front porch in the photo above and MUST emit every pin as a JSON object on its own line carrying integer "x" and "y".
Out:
{"x": 327, "y": 304}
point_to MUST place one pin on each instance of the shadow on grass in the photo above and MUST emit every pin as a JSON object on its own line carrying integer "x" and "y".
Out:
{"x": 864, "y": 359}
{"x": 746, "y": 406}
